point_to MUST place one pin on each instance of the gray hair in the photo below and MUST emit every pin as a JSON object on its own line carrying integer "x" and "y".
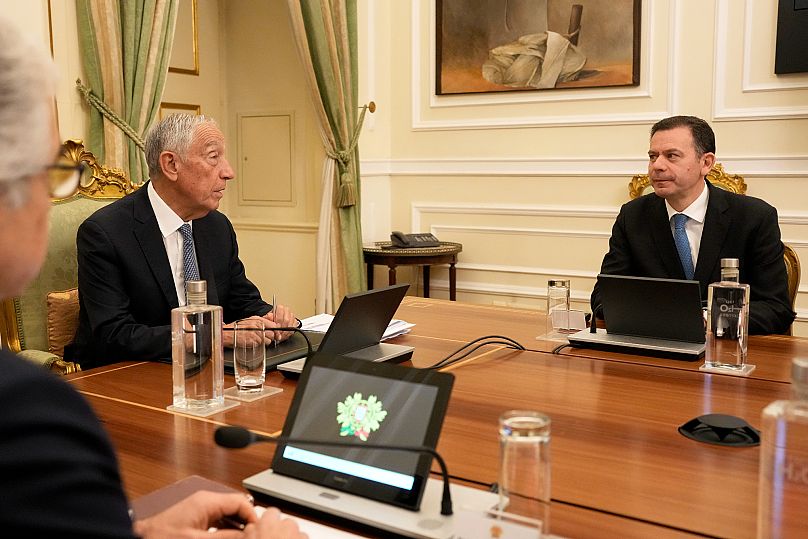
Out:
{"x": 27, "y": 86}
{"x": 172, "y": 134}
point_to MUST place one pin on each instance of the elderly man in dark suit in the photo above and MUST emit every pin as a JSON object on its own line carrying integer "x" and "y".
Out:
{"x": 135, "y": 254}
{"x": 686, "y": 226}
{"x": 60, "y": 477}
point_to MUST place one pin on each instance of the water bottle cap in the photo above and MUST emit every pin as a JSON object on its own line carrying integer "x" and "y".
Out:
{"x": 561, "y": 283}
{"x": 196, "y": 292}
{"x": 799, "y": 371}
{"x": 730, "y": 263}
{"x": 196, "y": 287}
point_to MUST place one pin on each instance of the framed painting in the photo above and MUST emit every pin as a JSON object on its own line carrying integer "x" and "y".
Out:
{"x": 528, "y": 45}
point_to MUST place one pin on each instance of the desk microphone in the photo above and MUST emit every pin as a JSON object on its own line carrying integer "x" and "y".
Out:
{"x": 238, "y": 437}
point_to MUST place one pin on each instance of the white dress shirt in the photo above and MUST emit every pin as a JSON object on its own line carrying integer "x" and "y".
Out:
{"x": 170, "y": 223}
{"x": 695, "y": 224}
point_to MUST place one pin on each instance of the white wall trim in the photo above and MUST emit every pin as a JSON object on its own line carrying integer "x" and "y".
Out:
{"x": 721, "y": 110}
{"x": 417, "y": 209}
{"x": 297, "y": 228}
{"x": 748, "y": 166}
{"x": 643, "y": 91}
{"x": 520, "y": 231}
{"x": 791, "y": 82}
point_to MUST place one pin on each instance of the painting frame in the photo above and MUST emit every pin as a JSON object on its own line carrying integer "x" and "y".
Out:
{"x": 486, "y": 68}
{"x": 185, "y": 52}
{"x": 167, "y": 108}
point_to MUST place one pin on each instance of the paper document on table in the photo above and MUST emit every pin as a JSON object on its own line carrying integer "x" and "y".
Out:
{"x": 321, "y": 323}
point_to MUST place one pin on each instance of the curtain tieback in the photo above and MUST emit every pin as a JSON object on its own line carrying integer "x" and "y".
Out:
{"x": 110, "y": 115}
{"x": 347, "y": 182}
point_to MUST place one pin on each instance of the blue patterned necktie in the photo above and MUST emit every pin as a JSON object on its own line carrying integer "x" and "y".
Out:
{"x": 682, "y": 244}
{"x": 189, "y": 268}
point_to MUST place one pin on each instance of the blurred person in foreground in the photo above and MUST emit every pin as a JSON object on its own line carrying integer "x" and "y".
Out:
{"x": 59, "y": 473}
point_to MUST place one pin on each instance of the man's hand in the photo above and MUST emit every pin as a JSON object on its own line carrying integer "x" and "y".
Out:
{"x": 252, "y": 337}
{"x": 195, "y": 514}
{"x": 280, "y": 317}
{"x": 273, "y": 526}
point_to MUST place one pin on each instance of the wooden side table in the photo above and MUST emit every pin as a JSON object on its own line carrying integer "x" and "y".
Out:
{"x": 383, "y": 253}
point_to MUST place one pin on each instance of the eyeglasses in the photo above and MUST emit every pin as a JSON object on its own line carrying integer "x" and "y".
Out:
{"x": 63, "y": 179}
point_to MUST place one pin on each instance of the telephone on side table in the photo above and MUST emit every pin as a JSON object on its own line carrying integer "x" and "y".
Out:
{"x": 423, "y": 239}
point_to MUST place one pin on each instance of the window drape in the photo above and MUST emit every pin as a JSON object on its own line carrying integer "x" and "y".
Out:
{"x": 125, "y": 48}
{"x": 325, "y": 33}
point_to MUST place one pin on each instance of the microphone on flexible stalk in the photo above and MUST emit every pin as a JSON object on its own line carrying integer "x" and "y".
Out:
{"x": 234, "y": 437}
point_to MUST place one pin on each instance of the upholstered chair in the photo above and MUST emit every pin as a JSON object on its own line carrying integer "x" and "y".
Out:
{"x": 40, "y": 322}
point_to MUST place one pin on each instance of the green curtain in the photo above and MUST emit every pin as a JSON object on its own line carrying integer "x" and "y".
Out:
{"x": 126, "y": 47}
{"x": 325, "y": 33}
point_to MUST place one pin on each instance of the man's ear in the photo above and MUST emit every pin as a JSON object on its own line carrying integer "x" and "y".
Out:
{"x": 708, "y": 160}
{"x": 169, "y": 165}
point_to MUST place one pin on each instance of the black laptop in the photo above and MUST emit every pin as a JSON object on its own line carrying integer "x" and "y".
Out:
{"x": 647, "y": 315}
{"x": 356, "y": 330}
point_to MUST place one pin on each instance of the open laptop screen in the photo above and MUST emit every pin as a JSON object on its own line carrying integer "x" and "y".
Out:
{"x": 357, "y": 402}
{"x": 651, "y": 307}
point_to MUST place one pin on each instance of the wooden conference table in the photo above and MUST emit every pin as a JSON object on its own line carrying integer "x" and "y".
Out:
{"x": 619, "y": 466}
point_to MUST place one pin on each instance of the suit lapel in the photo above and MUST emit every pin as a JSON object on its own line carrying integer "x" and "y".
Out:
{"x": 151, "y": 243}
{"x": 663, "y": 238}
{"x": 716, "y": 226}
{"x": 203, "y": 243}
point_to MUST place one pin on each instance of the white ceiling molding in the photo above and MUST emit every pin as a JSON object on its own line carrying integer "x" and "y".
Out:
{"x": 648, "y": 46}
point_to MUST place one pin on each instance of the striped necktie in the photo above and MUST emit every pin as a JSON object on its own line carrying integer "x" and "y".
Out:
{"x": 682, "y": 244}
{"x": 189, "y": 268}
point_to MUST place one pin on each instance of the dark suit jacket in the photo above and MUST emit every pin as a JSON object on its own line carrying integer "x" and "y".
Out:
{"x": 735, "y": 226}
{"x": 59, "y": 474}
{"x": 126, "y": 290}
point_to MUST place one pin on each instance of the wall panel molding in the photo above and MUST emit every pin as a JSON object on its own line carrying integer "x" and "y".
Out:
{"x": 747, "y": 166}
{"x": 494, "y": 121}
{"x": 723, "y": 82}
{"x": 296, "y": 228}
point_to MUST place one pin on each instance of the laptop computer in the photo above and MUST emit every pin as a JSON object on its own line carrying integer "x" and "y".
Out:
{"x": 354, "y": 402}
{"x": 357, "y": 329}
{"x": 661, "y": 317}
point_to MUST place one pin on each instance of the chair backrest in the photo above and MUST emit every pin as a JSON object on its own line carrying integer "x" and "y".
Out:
{"x": 717, "y": 176}
{"x": 736, "y": 184}
{"x": 24, "y": 320}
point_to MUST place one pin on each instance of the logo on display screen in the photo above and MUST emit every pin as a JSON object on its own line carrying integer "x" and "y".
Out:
{"x": 359, "y": 417}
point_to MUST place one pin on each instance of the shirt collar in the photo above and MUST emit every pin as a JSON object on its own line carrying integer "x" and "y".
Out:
{"x": 167, "y": 220}
{"x": 697, "y": 209}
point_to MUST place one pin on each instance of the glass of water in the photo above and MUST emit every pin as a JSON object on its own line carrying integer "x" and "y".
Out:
{"x": 249, "y": 355}
{"x": 524, "y": 468}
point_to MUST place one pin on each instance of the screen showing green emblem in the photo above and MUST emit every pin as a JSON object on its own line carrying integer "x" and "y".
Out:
{"x": 358, "y": 402}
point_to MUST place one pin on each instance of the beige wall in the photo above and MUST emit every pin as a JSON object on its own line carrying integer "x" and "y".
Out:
{"x": 530, "y": 182}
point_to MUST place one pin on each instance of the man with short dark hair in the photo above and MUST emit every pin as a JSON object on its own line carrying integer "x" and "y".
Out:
{"x": 686, "y": 226}
{"x": 135, "y": 254}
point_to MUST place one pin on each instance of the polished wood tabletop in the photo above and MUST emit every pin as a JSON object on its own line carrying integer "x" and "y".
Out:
{"x": 619, "y": 465}
{"x": 771, "y": 354}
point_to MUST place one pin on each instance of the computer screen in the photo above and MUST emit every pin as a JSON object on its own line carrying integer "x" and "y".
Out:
{"x": 356, "y": 402}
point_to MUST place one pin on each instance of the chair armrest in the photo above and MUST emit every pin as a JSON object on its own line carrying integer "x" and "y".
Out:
{"x": 49, "y": 361}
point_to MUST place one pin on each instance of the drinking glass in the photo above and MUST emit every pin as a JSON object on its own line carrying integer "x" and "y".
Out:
{"x": 524, "y": 472}
{"x": 249, "y": 355}
{"x": 558, "y": 306}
